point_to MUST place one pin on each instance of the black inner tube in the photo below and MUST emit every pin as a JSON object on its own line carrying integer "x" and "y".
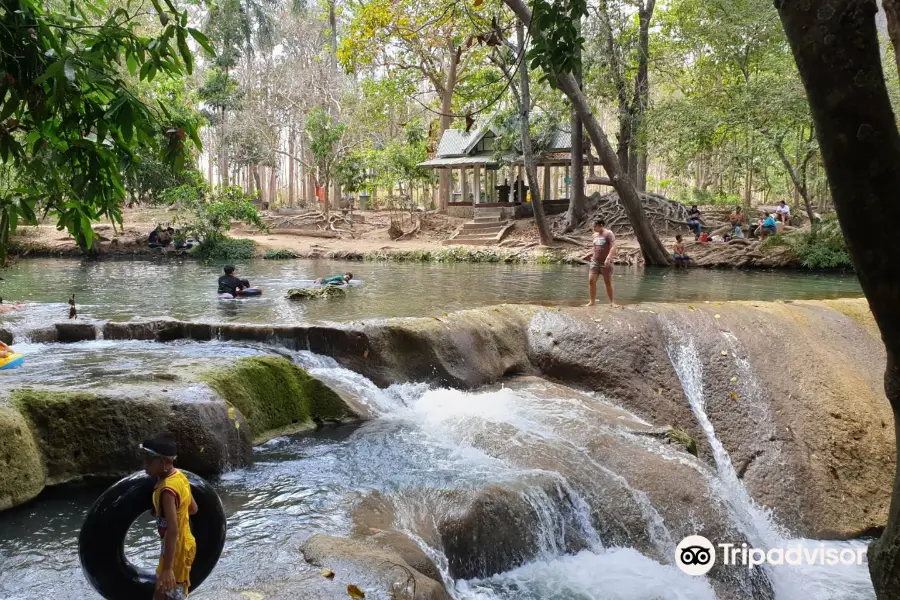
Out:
{"x": 101, "y": 545}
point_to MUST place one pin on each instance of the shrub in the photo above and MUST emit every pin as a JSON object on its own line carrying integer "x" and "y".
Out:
{"x": 280, "y": 254}
{"x": 224, "y": 248}
{"x": 824, "y": 247}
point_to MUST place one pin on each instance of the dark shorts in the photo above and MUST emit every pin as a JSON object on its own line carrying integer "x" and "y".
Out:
{"x": 771, "y": 229}
{"x": 597, "y": 269}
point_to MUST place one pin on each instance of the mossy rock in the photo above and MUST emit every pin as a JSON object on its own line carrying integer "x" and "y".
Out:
{"x": 276, "y": 396}
{"x": 81, "y": 433}
{"x": 325, "y": 291}
{"x": 21, "y": 469}
{"x": 677, "y": 436}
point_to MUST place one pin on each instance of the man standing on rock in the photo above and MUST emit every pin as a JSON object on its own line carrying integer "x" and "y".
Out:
{"x": 601, "y": 258}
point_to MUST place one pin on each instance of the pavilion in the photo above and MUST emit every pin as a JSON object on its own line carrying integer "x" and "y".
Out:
{"x": 481, "y": 180}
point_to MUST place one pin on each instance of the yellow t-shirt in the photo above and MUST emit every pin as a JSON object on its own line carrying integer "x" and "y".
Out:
{"x": 186, "y": 548}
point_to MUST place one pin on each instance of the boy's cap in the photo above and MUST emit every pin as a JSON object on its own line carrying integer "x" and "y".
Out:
{"x": 161, "y": 445}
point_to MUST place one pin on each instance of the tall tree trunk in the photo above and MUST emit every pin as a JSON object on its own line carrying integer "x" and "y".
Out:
{"x": 625, "y": 133}
{"x": 257, "y": 180}
{"x": 332, "y": 24}
{"x": 835, "y": 44}
{"x": 652, "y": 248}
{"x": 892, "y": 13}
{"x": 748, "y": 176}
{"x": 637, "y": 146}
{"x": 273, "y": 187}
{"x": 223, "y": 150}
{"x": 577, "y": 200}
{"x": 446, "y": 94}
{"x": 528, "y": 154}
{"x": 292, "y": 175}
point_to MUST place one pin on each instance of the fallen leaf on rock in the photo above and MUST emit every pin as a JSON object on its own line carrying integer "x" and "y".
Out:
{"x": 691, "y": 307}
{"x": 733, "y": 379}
{"x": 355, "y": 592}
{"x": 328, "y": 574}
{"x": 734, "y": 396}
{"x": 718, "y": 316}
{"x": 252, "y": 596}
{"x": 724, "y": 352}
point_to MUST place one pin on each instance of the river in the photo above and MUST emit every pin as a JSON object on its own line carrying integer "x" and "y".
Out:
{"x": 424, "y": 445}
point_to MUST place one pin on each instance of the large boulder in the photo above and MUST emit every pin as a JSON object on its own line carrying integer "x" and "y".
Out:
{"x": 794, "y": 392}
{"x": 375, "y": 568}
{"x": 324, "y": 291}
{"x": 21, "y": 469}
{"x": 81, "y": 434}
{"x": 276, "y": 396}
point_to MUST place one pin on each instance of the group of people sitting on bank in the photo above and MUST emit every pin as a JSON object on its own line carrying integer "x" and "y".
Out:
{"x": 764, "y": 227}
{"x": 164, "y": 237}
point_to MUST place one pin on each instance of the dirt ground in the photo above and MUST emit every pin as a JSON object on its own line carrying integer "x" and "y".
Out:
{"x": 362, "y": 232}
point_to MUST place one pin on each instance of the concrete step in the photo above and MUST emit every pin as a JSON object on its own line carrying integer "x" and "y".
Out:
{"x": 488, "y": 237}
{"x": 474, "y": 242}
{"x": 497, "y": 219}
{"x": 488, "y": 225}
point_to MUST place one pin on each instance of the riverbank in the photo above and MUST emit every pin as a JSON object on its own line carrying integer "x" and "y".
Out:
{"x": 373, "y": 243}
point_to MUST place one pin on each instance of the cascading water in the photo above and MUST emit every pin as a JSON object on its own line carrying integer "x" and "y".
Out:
{"x": 424, "y": 448}
{"x": 814, "y": 582}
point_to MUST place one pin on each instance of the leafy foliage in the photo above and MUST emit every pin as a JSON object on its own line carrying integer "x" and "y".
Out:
{"x": 69, "y": 120}
{"x": 824, "y": 247}
{"x": 280, "y": 254}
{"x": 556, "y": 51}
{"x": 224, "y": 248}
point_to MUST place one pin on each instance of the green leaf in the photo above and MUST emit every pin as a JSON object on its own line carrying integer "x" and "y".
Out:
{"x": 185, "y": 52}
{"x": 9, "y": 107}
{"x": 69, "y": 70}
{"x": 145, "y": 69}
{"x": 202, "y": 40}
{"x": 131, "y": 61}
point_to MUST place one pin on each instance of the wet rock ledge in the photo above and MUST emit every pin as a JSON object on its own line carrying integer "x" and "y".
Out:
{"x": 49, "y": 436}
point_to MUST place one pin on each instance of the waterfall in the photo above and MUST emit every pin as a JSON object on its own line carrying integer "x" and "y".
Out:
{"x": 814, "y": 582}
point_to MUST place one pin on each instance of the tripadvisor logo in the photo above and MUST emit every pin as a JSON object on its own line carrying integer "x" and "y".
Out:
{"x": 696, "y": 555}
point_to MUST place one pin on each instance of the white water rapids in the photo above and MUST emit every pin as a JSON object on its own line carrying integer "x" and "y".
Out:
{"x": 466, "y": 422}
{"x": 423, "y": 448}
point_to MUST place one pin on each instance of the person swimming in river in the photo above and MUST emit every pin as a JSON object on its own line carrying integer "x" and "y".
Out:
{"x": 335, "y": 279}
{"x": 229, "y": 285}
{"x": 5, "y": 308}
{"x": 173, "y": 506}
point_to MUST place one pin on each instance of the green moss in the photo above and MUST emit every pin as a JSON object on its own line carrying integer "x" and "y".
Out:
{"x": 279, "y": 254}
{"x": 325, "y": 291}
{"x": 449, "y": 254}
{"x": 677, "y": 436}
{"x": 21, "y": 468}
{"x": 275, "y": 395}
{"x": 80, "y": 433}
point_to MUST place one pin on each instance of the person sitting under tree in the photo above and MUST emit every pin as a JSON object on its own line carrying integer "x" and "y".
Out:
{"x": 767, "y": 227}
{"x": 679, "y": 253}
{"x": 783, "y": 213}
{"x": 694, "y": 221}
{"x": 737, "y": 219}
{"x": 601, "y": 258}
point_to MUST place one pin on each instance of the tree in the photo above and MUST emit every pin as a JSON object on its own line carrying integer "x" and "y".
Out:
{"x": 69, "y": 119}
{"x": 627, "y": 52}
{"x": 427, "y": 41}
{"x": 835, "y": 44}
{"x": 555, "y": 50}
{"x": 324, "y": 138}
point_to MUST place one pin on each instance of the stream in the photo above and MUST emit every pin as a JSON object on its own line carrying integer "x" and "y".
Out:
{"x": 424, "y": 448}
{"x": 423, "y": 443}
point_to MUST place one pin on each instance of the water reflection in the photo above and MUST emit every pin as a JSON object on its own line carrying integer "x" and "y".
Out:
{"x": 122, "y": 290}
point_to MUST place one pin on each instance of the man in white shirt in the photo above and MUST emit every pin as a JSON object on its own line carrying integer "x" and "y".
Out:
{"x": 783, "y": 212}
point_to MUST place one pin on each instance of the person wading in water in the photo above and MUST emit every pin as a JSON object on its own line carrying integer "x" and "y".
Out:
{"x": 601, "y": 258}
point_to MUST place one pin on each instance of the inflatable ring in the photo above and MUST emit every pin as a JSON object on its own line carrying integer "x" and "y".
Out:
{"x": 250, "y": 292}
{"x": 101, "y": 545}
{"x": 12, "y": 361}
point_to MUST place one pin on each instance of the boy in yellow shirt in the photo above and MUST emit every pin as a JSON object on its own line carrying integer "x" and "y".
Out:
{"x": 173, "y": 505}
